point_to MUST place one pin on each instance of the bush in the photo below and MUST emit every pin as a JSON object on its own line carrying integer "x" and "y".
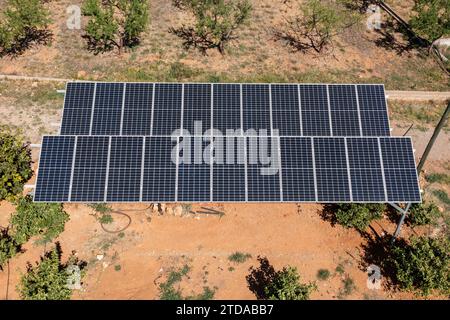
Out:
{"x": 49, "y": 279}
{"x": 286, "y": 286}
{"x": 239, "y": 257}
{"x": 15, "y": 165}
{"x": 431, "y": 19}
{"x": 25, "y": 22}
{"x": 423, "y": 265}
{"x": 44, "y": 219}
{"x": 323, "y": 274}
{"x": 421, "y": 214}
{"x": 8, "y": 248}
{"x": 358, "y": 216}
{"x": 114, "y": 23}
{"x": 316, "y": 27}
{"x": 215, "y": 22}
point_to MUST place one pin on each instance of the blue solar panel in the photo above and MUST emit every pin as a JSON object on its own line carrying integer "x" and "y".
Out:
{"x": 227, "y": 108}
{"x": 286, "y": 109}
{"x": 55, "y": 167}
{"x": 107, "y": 109}
{"x": 89, "y": 175}
{"x": 365, "y": 170}
{"x": 344, "y": 110}
{"x": 315, "y": 111}
{"x": 229, "y": 169}
{"x": 125, "y": 165}
{"x": 137, "y": 110}
{"x": 197, "y": 108}
{"x": 77, "y": 108}
{"x": 297, "y": 169}
{"x": 159, "y": 179}
{"x": 331, "y": 170}
{"x": 256, "y": 107}
{"x": 373, "y": 110}
{"x": 167, "y": 108}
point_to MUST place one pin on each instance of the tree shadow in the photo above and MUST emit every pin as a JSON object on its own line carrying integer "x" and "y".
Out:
{"x": 328, "y": 213}
{"x": 260, "y": 277}
{"x": 31, "y": 37}
{"x": 395, "y": 37}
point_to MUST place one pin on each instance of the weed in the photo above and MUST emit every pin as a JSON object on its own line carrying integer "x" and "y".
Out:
{"x": 117, "y": 267}
{"x": 323, "y": 274}
{"x": 438, "y": 178}
{"x": 239, "y": 257}
{"x": 442, "y": 196}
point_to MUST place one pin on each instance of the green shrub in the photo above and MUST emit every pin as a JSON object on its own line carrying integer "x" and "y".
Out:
{"x": 49, "y": 279}
{"x": 8, "y": 248}
{"x": 431, "y": 19}
{"x": 323, "y": 274}
{"x": 358, "y": 216}
{"x": 421, "y": 214}
{"x": 286, "y": 286}
{"x": 31, "y": 219}
{"x": 239, "y": 257}
{"x": 24, "y": 22}
{"x": 15, "y": 165}
{"x": 114, "y": 23}
{"x": 215, "y": 22}
{"x": 423, "y": 265}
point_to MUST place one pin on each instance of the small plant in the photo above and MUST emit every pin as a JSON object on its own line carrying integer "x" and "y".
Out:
{"x": 431, "y": 19}
{"x": 358, "y": 216}
{"x": 117, "y": 267}
{"x": 286, "y": 286}
{"x": 442, "y": 196}
{"x": 114, "y": 23}
{"x": 102, "y": 212}
{"x": 340, "y": 269}
{"x": 31, "y": 219}
{"x": 106, "y": 219}
{"x": 438, "y": 178}
{"x": 422, "y": 265}
{"x": 348, "y": 287}
{"x": 323, "y": 274}
{"x": 15, "y": 168}
{"x": 215, "y": 22}
{"x": 239, "y": 257}
{"x": 422, "y": 214}
{"x": 49, "y": 279}
{"x": 24, "y": 23}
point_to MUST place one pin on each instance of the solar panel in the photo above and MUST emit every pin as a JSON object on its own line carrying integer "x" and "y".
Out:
{"x": 157, "y": 109}
{"x": 287, "y": 169}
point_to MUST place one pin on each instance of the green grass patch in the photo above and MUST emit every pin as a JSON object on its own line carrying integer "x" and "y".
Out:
{"x": 442, "y": 196}
{"x": 239, "y": 257}
{"x": 438, "y": 178}
{"x": 323, "y": 274}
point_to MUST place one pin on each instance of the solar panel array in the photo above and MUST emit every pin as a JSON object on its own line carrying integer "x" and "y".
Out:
{"x": 309, "y": 169}
{"x": 149, "y": 109}
{"x": 166, "y": 142}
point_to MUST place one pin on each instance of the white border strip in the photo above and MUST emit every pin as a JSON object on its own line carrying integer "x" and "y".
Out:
{"x": 176, "y": 169}
{"x": 329, "y": 112}
{"x": 141, "y": 190}
{"x": 382, "y": 169}
{"x": 105, "y": 196}
{"x": 314, "y": 168}
{"x": 300, "y": 109}
{"x": 359, "y": 111}
{"x": 212, "y": 146}
{"x": 92, "y": 110}
{"x": 348, "y": 170}
{"x": 73, "y": 169}
{"x": 123, "y": 107}
{"x": 153, "y": 108}
{"x": 280, "y": 172}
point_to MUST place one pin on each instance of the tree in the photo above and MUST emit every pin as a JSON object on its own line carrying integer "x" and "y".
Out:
{"x": 286, "y": 285}
{"x": 15, "y": 165}
{"x": 423, "y": 265}
{"x": 114, "y": 23}
{"x": 49, "y": 279}
{"x": 215, "y": 22}
{"x": 44, "y": 219}
{"x": 25, "y": 22}
{"x": 431, "y": 19}
{"x": 421, "y": 214}
{"x": 358, "y": 216}
{"x": 317, "y": 26}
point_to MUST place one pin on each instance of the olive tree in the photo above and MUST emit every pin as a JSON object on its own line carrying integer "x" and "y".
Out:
{"x": 286, "y": 285}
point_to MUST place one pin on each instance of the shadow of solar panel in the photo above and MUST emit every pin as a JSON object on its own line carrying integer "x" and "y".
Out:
{"x": 226, "y": 107}
{"x": 256, "y": 106}
{"x": 55, "y": 167}
{"x": 167, "y": 108}
{"x": 137, "y": 110}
